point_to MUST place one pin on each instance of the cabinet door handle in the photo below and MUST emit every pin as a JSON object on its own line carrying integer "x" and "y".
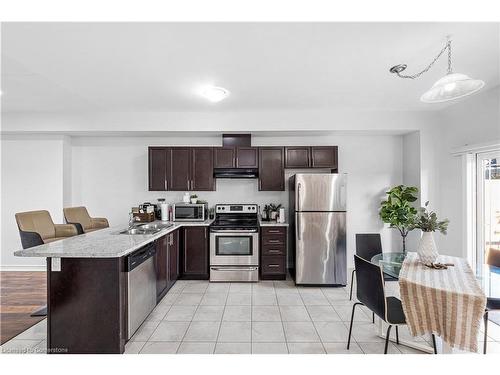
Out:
{"x": 274, "y": 241}
{"x": 274, "y": 251}
{"x": 273, "y": 231}
{"x": 166, "y": 185}
{"x": 273, "y": 266}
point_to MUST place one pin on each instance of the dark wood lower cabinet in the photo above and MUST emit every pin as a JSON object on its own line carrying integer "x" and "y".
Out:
{"x": 87, "y": 306}
{"x": 173, "y": 258}
{"x": 161, "y": 266}
{"x": 195, "y": 254}
{"x": 273, "y": 253}
{"x": 166, "y": 263}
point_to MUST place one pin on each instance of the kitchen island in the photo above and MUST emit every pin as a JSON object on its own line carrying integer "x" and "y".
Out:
{"x": 87, "y": 288}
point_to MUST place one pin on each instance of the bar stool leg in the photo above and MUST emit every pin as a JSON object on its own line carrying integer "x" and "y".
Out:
{"x": 397, "y": 335}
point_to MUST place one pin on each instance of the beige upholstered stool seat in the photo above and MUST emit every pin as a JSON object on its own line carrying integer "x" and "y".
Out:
{"x": 37, "y": 228}
{"x": 80, "y": 217}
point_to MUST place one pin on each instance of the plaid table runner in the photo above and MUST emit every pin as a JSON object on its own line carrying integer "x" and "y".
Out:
{"x": 448, "y": 303}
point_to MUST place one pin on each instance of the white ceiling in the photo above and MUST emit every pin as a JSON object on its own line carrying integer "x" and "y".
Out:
{"x": 75, "y": 67}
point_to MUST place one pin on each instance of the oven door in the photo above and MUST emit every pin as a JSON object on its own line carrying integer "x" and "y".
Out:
{"x": 231, "y": 248}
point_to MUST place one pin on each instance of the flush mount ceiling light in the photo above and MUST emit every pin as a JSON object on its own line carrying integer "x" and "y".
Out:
{"x": 451, "y": 86}
{"x": 214, "y": 94}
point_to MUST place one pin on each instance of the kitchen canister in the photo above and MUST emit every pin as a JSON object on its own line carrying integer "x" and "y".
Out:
{"x": 164, "y": 207}
{"x": 281, "y": 215}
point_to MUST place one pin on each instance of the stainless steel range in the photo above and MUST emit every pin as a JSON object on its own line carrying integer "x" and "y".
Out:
{"x": 234, "y": 243}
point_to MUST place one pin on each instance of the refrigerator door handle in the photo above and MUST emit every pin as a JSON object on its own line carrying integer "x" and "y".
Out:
{"x": 298, "y": 227}
{"x": 298, "y": 196}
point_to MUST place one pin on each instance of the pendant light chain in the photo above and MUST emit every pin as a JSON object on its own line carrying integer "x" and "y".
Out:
{"x": 446, "y": 47}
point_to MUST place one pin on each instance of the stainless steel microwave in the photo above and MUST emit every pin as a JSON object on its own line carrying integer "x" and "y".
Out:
{"x": 190, "y": 211}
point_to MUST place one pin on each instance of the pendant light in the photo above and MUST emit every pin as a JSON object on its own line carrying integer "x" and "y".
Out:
{"x": 451, "y": 86}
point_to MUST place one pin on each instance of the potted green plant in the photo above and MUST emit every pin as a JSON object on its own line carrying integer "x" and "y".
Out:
{"x": 273, "y": 208}
{"x": 397, "y": 210}
{"x": 428, "y": 222}
{"x": 194, "y": 198}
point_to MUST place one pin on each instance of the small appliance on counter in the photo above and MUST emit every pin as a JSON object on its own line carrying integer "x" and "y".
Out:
{"x": 190, "y": 211}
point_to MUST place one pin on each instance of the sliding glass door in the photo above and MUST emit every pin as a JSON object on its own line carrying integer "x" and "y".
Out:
{"x": 487, "y": 208}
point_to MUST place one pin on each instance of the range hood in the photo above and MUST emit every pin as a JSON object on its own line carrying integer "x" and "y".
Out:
{"x": 236, "y": 172}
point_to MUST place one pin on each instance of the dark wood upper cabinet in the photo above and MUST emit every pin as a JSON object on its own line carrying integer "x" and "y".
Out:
{"x": 224, "y": 157}
{"x": 324, "y": 157}
{"x": 202, "y": 169}
{"x": 180, "y": 168}
{"x": 247, "y": 157}
{"x": 297, "y": 157}
{"x": 195, "y": 252}
{"x": 158, "y": 168}
{"x": 271, "y": 169}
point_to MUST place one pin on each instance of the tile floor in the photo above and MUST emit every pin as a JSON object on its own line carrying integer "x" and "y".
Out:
{"x": 263, "y": 318}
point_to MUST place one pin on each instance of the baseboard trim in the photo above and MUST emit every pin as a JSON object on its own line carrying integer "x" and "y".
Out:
{"x": 31, "y": 268}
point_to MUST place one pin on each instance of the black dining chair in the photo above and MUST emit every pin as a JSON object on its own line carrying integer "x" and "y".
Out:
{"x": 367, "y": 246}
{"x": 370, "y": 292}
{"x": 492, "y": 259}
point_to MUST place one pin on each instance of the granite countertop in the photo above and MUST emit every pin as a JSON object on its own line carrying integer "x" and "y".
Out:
{"x": 104, "y": 243}
{"x": 271, "y": 223}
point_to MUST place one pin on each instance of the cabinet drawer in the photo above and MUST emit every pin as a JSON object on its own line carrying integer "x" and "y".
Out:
{"x": 273, "y": 230}
{"x": 273, "y": 250}
{"x": 273, "y": 265}
{"x": 273, "y": 240}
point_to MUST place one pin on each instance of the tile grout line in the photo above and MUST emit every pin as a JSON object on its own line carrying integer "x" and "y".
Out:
{"x": 191, "y": 321}
{"x": 221, "y": 318}
{"x": 282, "y": 323}
{"x": 147, "y": 340}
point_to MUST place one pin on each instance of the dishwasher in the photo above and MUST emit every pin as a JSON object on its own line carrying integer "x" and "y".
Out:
{"x": 141, "y": 282}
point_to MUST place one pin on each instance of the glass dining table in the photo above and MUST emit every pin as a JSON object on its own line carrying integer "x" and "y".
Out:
{"x": 391, "y": 264}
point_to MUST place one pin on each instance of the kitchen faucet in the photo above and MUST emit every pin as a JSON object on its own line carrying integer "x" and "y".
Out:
{"x": 132, "y": 220}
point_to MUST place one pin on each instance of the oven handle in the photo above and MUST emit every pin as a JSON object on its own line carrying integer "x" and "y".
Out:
{"x": 233, "y": 230}
{"x": 234, "y": 269}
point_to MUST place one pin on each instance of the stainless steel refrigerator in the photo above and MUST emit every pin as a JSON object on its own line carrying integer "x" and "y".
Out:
{"x": 318, "y": 228}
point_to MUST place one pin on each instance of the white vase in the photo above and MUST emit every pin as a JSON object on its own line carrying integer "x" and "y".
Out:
{"x": 427, "y": 251}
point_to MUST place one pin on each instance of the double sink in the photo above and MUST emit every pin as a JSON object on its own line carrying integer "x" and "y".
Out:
{"x": 151, "y": 228}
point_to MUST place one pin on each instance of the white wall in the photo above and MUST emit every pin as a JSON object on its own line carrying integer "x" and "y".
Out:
{"x": 32, "y": 175}
{"x": 110, "y": 176}
{"x": 473, "y": 121}
{"x": 411, "y": 176}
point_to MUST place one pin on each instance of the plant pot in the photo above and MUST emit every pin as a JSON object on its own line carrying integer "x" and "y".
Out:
{"x": 194, "y": 200}
{"x": 427, "y": 250}
{"x": 273, "y": 215}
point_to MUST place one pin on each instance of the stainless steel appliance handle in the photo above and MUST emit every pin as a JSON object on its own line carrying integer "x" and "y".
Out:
{"x": 297, "y": 204}
{"x": 298, "y": 226}
{"x": 234, "y": 234}
{"x": 233, "y": 230}
{"x": 234, "y": 269}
